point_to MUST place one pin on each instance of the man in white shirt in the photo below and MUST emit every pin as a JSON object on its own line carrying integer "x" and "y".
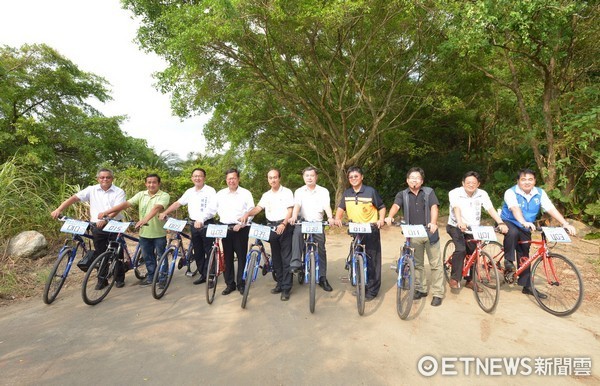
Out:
{"x": 102, "y": 196}
{"x": 465, "y": 211}
{"x": 202, "y": 207}
{"x": 232, "y": 203}
{"x": 310, "y": 201}
{"x": 278, "y": 203}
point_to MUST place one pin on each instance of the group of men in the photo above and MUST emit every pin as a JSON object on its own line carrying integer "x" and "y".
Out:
{"x": 234, "y": 206}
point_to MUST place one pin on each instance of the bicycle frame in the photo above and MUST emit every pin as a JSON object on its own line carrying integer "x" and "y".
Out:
{"x": 258, "y": 247}
{"x": 358, "y": 251}
{"x": 310, "y": 246}
{"x": 541, "y": 253}
{"x": 407, "y": 253}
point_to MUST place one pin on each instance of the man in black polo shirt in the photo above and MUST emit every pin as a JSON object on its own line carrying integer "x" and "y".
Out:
{"x": 363, "y": 204}
{"x": 420, "y": 207}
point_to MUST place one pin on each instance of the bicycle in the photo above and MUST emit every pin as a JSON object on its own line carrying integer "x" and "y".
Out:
{"x": 79, "y": 231}
{"x": 309, "y": 273}
{"x": 216, "y": 260}
{"x": 486, "y": 279}
{"x": 552, "y": 275}
{"x": 260, "y": 233}
{"x": 166, "y": 264}
{"x": 100, "y": 277}
{"x": 356, "y": 262}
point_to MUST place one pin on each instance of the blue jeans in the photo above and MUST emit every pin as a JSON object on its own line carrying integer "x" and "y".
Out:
{"x": 151, "y": 250}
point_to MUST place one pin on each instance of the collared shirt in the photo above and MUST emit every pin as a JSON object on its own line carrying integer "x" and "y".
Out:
{"x": 145, "y": 202}
{"x": 276, "y": 204}
{"x": 470, "y": 207}
{"x": 510, "y": 197}
{"x": 101, "y": 200}
{"x": 416, "y": 205}
{"x": 362, "y": 206}
{"x": 232, "y": 205}
{"x": 312, "y": 202}
{"x": 201, "y": 204}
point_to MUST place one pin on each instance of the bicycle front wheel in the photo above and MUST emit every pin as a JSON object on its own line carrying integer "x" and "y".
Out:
{"x": 139, "y": 265}
{"x": 212, "y": 275}
{"x": 252, "y": 262}
{"x": 99, "y": 278}
{"x": 486, "y": 283}
{"x": 57, "y": 276}
{"x": 560, "y": 281}
{"x": 360, "y": 284}
{"x": 406, "y": 287}
{"x": 191, "y": 265}
{"x": 447, "y": 259}
{"x": 312, "y": 281}
{"x": 164, "y": 273}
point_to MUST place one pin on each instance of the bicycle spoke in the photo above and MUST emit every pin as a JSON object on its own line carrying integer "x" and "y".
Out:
{"x": 559, "y": 280}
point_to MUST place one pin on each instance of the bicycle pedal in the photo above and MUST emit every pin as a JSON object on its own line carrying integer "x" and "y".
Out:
{"x": 189, "y": 273}
{"x": 394, "y": 267}
{"x": 344, "y": 279}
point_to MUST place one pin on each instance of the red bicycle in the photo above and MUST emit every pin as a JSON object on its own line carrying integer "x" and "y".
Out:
{"x": 216, "y": 261}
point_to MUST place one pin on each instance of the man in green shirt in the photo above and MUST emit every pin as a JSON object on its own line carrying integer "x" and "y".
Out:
{"x": 153, "y": 240}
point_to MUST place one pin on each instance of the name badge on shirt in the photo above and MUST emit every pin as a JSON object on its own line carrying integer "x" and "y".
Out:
{"x": 75, "y": 227}
{"x": 261, "y": 232}
{"x": 355, "y": 227}
{"x": 556, "y": 234}
{"x": 116, "y": 226}
{"x": 484, "y": 233}
{"x": 312, "y": 227}
{"x": 414, "y": 231}
{"x": 175, "y": 225}
{"x": 216, "y": 231}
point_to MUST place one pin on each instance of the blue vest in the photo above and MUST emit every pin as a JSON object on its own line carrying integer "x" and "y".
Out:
{"x": 529, "y": 208}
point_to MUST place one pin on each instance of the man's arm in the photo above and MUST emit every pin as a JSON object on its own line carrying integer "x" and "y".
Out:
{"x": 339, "y": 213}
{"x": 393, "y": 210}
{"x": 66, "y": 203}
{"x": 501, "y": 225}
{"x": 564, "y": 223}
{"x": 381, "y": 220}
{"x": 174, "y": 206}
{"x": 153, "y": 212}
{"x": 434, "y": 212}
{"x": 251, "y": 213}
{"x": 116, "y": 208}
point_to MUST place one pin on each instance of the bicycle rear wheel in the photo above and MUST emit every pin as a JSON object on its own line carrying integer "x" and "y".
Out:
{"x": 560, "y": 281}
{"x": 447, "y": 259}
{"x": 191, "y": 265}
{"x": 312, "y": 281}
{"x": 252, "y": 262}
{"x": 57, "y": 276}
{"x": 360, "y": 283}
{"x": 496, "y": 252}
{"x": 212, "y": 275}
{"x": 99, "y": 278}
{"x": 164, "y": 273}
{"x": 486, "y": 283}
{"x": 406, "y": 287}
{"x": 139, "y": 265}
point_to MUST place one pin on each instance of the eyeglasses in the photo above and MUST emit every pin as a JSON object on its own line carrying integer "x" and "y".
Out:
{"x": 105, "y": 178}
{"x": 353, "y": 177}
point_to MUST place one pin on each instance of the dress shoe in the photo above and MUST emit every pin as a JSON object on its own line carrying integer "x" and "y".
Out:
{"x": 419, "y": 295}
{"x": 201, "y": 279}
{"x": 276, "y": 290}
{"x": 436, "y": 301}
{"x": 469, "y": 284}
{"x": 241, "y": 289}
{"x": 285, "y": 295}
{"x": 120, "y": 284}
{"x": 295, "y": 269}
{"x": 161, "y": 285}
{"x": 369, "y": 297}
{"x": 211, "y": 284}
{"x": 323, "y": 283}
{"x": 454, "y": 284}
{"x": 145, "y": 283}
{"x": 529, "y": 291}
{"x": 227, "y": 291}
{"x": 100, "y": 285}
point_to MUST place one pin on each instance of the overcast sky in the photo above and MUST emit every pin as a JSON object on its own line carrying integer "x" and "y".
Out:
{"x": 97, "y": 35}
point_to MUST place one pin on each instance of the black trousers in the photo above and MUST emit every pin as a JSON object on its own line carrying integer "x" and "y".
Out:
{"x": 513, "y": 249}
{"x": 100, "y": 240}
{"x": 462, "y": 248}
{"x": 372, "y": 243}
{"x": 202, "y": 247}
{"x": 236, "y": 243}
{"x": 281, "y": 256}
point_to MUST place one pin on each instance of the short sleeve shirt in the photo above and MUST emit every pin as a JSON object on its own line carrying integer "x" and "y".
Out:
{"x": 277, "y": 204}
{"x": 362, "y": 206}
{"x": 510, "y": 198}
{"x": 201, "y": 204}
{"x": 232, "y": 205}
{"x": 470, "y": 207}
{"x": 312, "y": 203}
{"x": 101, "y": 200}
{"x": 145, "y": 202}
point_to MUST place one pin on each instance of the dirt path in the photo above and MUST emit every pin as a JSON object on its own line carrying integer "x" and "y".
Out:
{"x": 130, "y": 338}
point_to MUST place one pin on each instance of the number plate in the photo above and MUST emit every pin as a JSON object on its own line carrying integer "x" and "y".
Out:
{"x": 484, "y": 233}
{"x": 312, "y": 227}
{"x": 355, "y": 227}
{"x": 414, "y": 231}
{"x": 216, "y": 231}
{"x": 116, "y": 226}
{"x": 260, "y": 232}
{"x": 556, "y": 234}
{"x": 74, "y": 226}
{"x": 175, "y": 225}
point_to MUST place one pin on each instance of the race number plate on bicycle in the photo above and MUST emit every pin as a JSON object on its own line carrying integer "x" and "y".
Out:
{"x": 216, "y": 231}
{"x": 556, "y": 234}
{"x": 261, "y": 232}
{"x": 415, "y": 231}
{"x": 312, "y": 227}
{"x": 116, "y": 226}
{"x": 484, "y": 233}
{"x": 74, "y": 226}
{"x": 175, "y": 225}
{"x": 355, "y": 227}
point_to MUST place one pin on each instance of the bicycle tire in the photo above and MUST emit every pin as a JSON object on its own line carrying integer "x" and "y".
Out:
{"x": 252, "y": 262}
{"x": 212, "y": 275}
{"x": 164, "y": 272}
{"x": 55, "y": 282}
{"x": 191, "y": 264}
{"x": 101, "y": 269}
{"x": 405, "y": 287}
{"x": 139, "y": 265}
{"x": 360, "y": 284}
{"x": 312, "y": 280}
{"x": 447, "y": 260}
{"x": 563, "y": 297}
{"x": 496, "y": 252}
{"x": 486, "y": 283}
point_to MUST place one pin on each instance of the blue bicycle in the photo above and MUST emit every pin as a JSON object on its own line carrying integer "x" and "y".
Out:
{"x": 255, "y": 255}
{"x": 356, "y": 262}
{"x": 310, "y": 274}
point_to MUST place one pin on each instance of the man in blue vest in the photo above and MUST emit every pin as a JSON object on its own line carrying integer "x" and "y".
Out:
{"x": 420, "y": 206}
{"x": 522, "y": 203}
